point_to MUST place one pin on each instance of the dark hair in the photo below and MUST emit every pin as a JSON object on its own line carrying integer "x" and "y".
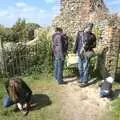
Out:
{"x": 89, "y": 25}
{"x": 6, "y": 83}
{"x": 58, "y": 29}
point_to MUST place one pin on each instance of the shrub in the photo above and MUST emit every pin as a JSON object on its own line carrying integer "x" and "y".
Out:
{"x": 26, "y": 59}
{"x": 43, "y": 59}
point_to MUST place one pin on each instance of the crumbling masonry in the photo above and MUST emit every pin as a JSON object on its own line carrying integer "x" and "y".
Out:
{"x": 76, "y": 13}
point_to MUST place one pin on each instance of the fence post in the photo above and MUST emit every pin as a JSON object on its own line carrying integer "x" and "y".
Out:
{"x": 1, "y": 57}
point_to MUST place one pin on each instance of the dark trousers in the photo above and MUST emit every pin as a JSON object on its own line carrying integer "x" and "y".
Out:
{"x": 8, "y": 102}
{"x": 58, "y": 69}
{"x": 84, "y": 70}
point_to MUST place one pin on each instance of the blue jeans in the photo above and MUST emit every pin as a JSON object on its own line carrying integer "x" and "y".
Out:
{"x": 8, "y": 102}
{"x": 58, "y": 69}
{"x": 105, "y": 93}
{"x": 84, "y": 69}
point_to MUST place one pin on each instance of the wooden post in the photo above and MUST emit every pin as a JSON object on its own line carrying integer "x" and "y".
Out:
{"x": 1, "y": 57}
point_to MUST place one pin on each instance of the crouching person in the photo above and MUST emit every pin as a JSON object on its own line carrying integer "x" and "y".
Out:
{"x": 106, "y": 87}
{"x": 18, "y": 93}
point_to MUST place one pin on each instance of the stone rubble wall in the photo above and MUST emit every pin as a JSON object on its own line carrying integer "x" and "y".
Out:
{"x": 111, "y": 41}
{"x": 113, "y": 50}
{"x": 75, "y": 14}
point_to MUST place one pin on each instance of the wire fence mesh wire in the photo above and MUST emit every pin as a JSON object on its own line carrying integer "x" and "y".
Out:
{"x": 18, "y": 61}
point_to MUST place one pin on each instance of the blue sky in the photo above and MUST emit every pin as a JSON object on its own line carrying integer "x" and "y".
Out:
{"x": 38, "y": 11}
{"x": 113, "y": 5}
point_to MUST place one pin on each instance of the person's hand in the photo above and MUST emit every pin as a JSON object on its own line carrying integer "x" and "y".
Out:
{"x": 19, "y": 106}
{"x": 23, "y": 108}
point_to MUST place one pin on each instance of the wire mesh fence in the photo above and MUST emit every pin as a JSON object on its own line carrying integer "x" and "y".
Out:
{"x": 17, "y": 59}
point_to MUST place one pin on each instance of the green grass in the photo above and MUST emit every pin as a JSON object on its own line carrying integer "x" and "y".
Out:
{"x": 45, "y": 92}
{"x": 114, "y": 112}
{"x": 116, "y": 102}
{"x": 116, "y": 109}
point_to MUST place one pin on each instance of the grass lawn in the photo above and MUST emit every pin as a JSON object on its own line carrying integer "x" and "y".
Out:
{"x": 45, "y": 95}
{"x": 116, "y": 103}
{"x": 116, "y": 109}
{"x": 114, "y": 113}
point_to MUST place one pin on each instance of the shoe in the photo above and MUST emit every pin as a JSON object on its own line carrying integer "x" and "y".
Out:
{"x": 83, "y": 84}
{"x": 79, "y": 81}
{"x": 61, "y": 83}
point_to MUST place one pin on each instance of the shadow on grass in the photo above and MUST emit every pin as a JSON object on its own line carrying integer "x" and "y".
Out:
{"x": 39, "y": 101}
{"x": 69, "y": 76}
{"x": 117, "y": 77}
{"x": 70, "y": 79}
{"x": 116, "y": 94}
{"x": 92, "y": 81}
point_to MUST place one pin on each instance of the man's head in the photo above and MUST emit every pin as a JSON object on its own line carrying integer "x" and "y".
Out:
{"x": 58, "y": 29}
{"x": 88, "y": 27}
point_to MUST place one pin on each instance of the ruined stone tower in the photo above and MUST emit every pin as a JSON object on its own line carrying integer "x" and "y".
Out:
{"x": 76, "y": 13}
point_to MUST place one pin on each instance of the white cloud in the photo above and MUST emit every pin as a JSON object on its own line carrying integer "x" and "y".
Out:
{"x": 21, "y": 4}
{"x": 113, "y": 5}
{"x": 29, "y": 12}
{"x": 3, "y": 13}
{"x": 50, "y": 1}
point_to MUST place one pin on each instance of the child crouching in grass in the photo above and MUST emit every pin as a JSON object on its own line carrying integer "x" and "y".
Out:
{"x": 18, "y": 93}
{"x": 106, "y": 87}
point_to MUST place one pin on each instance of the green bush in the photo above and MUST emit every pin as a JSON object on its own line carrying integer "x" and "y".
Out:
{"x": 16, "y": 60}
{"x": 20, "y": 31}
{"x": 42, "y": 60}
{"x": 26, "y": 59}
{"x": 98, "y": 32}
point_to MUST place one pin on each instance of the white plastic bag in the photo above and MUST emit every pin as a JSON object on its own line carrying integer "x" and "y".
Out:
{"x": 72, "y": 60}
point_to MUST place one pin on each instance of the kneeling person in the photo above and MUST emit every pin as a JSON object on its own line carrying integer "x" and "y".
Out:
{"x": 106, "y": 87}
{"x": 18, "y": 93}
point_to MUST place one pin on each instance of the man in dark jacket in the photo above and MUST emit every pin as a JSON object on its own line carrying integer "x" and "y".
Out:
{"x": 60, "y": 44}
{"x": 85, "y": 42}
